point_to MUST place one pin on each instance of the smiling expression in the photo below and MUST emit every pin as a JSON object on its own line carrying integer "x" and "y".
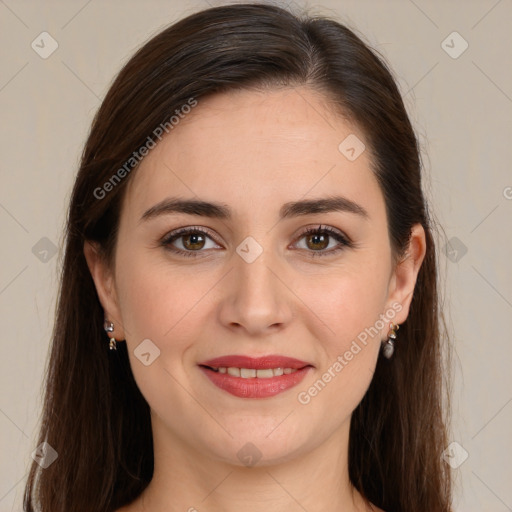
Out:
{"x": 248, "y": 232}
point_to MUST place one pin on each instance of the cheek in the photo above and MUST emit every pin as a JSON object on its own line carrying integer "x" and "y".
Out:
{"x": 144, "y": 301}
{"x": 348, "y": 302}
{"x": 157, "y": 304}
{"x": 151, "y": 303}
{"x": 161, "y": 302}
{"x": 350, "y": 310}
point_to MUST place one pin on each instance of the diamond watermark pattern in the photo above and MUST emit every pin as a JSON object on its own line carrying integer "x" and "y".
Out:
{"x": 44, "y": 250}
{"x": 351, "y": 147}
{"x": 454, "y": 45}
{"x": 44, "y": 45}
{"x": 249, "y": 249}
{"x": 249, "y": 454}
{"x": 44, "y": 455}
{"x": 455, "y": 455}
{"x": 147, "y": 352}
{"x": 455, "y": 249}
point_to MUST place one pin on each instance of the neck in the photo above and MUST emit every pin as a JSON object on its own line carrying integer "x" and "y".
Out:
{"x": 188, "y": 479}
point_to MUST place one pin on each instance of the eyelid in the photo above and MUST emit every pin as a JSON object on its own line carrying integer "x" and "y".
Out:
{"x": 343, "y": 240}
{"x": 334, "y": 232}
{"x": 179, "y": 232}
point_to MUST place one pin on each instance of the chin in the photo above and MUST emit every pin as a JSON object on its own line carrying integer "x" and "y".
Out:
{"x": 260, "y": 448}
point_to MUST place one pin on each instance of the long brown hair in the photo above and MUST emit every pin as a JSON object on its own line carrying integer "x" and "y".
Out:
{"x": 94, "y": 416}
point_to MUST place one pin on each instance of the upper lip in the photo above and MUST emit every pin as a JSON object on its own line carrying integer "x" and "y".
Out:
{"x": 258, "y": 363}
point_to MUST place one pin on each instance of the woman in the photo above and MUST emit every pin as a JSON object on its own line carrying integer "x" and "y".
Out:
{"x": 248, "y": 314}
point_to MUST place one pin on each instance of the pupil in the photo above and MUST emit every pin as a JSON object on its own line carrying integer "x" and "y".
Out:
{"x": 195, "y": 240}
{"x": 315, "y": 240}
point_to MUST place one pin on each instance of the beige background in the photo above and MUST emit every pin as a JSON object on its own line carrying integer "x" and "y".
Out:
{"x": 461, "y": 108}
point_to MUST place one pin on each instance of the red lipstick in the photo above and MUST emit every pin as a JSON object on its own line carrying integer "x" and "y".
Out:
{"x": 255, "y": 362}
{"x": 253, "y": 386}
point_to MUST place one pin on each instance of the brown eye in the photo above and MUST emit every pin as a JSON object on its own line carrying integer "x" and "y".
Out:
{"x": 319, "y": 238}
{"x": 193, "y": 241}
{"x": 317, "y": 241}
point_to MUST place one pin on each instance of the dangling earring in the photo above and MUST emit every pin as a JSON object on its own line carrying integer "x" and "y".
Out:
{"x": 109, "y": 327}
{"x": 388, "y": 346}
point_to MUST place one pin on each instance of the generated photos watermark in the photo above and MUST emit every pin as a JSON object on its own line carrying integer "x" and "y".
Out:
{"x": 304, "y": 397}
{"x": 137, "y": 156}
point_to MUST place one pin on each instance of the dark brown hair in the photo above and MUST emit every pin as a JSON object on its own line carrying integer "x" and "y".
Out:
{"x": 94, "y": 415}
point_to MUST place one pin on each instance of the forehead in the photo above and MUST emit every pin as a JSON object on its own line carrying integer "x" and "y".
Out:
{"x": 252, "y": 149}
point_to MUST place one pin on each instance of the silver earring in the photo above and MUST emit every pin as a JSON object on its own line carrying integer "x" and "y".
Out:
{"x": 109, "y": 327}
{"x": 388, "y": 346}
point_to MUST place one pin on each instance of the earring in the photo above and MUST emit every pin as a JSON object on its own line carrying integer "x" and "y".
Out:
{"x": 109, "y": 327}
{"x": 388, "y": 346}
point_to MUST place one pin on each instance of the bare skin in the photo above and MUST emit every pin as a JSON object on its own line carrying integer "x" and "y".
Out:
{"x": 253, "y": 152}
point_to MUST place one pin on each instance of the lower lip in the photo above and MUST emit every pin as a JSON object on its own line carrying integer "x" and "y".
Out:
{"x": 254, "y": 387}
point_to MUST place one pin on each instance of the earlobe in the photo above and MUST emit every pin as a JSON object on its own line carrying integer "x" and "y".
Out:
{"x": 406, "y": 272}
{"x": 104, "y": 283}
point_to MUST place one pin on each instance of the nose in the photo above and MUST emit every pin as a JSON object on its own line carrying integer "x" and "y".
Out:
{"x": 256, "y": 296}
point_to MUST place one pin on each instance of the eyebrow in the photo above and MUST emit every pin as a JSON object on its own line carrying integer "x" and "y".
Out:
{"x": 220, "y": 211}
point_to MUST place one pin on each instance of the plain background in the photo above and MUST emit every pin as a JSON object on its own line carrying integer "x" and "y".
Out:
{"x": 461, "y": 108}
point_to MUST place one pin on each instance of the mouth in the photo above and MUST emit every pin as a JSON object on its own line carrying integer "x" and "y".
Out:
{"x": 251, "y": 373}
{"x": 247, "y": 377}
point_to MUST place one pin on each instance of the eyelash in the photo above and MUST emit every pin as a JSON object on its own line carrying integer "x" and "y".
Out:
{"x": 344, "y": 241}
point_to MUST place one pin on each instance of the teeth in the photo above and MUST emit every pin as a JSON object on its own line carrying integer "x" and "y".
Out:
{"x": 247, "y": 373}
{"x": 263, "y": 374}
{"x": 250, "y": 373}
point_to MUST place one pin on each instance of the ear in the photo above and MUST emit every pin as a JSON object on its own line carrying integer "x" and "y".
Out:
{"x": 104, "y": 282}
{"x": 404, "y": 276}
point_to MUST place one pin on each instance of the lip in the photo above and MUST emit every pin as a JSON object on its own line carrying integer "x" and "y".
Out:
{"x": 256, "y": 363}
{"x": 254, "y": 387}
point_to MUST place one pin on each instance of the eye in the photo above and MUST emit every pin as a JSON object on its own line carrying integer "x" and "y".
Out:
{"x": 194, "y": 239}
{"x": 191, "y": 239}
{"x": 317, "y": 239}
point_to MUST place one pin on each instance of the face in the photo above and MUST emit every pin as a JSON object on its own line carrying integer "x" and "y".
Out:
{"x": 259, "y": 276}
